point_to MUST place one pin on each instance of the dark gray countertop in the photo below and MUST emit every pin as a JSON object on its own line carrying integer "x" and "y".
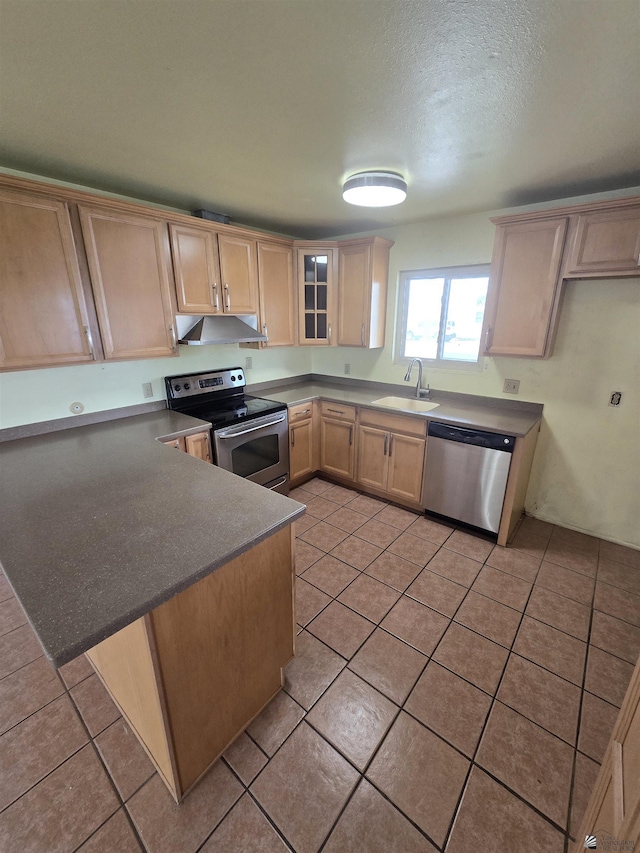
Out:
{"x": 494, "y": 415}
{"x": 102, "y": 523}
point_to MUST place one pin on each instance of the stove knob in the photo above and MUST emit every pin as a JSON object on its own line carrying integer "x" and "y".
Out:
{"x": 177, "y": 387}
{"x": 186, "y": 386}
{"x": 233, "y": 378}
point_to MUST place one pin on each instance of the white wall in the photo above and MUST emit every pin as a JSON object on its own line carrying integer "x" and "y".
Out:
{"x": 586, "y": 472}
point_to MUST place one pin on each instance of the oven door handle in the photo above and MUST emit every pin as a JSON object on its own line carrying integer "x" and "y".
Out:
{"x": 222, "y": 433}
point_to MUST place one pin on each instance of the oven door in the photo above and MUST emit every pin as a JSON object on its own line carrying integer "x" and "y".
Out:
{"x": 257, "y": 450}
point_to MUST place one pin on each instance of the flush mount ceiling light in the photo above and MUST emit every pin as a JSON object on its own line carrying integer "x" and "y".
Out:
{"x": 375, "y": 189}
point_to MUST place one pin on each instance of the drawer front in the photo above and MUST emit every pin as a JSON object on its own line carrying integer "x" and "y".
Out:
{"x": 301, "y": 412}
{"x": 394, "y": 423}
{"x": 338, "y": 411}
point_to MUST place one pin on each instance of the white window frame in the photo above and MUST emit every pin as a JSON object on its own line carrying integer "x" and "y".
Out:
{"x": 470, "y": 271}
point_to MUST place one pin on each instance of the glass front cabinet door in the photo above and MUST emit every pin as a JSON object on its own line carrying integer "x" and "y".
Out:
{"x": 317, "y": 296}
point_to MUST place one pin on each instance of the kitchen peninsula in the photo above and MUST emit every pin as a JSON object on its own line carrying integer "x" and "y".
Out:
{"x": 175, "y": 576}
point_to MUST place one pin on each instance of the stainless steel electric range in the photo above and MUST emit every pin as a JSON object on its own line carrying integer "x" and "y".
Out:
{"x": 249, "y": 435}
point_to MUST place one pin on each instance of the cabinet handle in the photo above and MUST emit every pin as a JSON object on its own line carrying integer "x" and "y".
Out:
{"x": 487, "y": 339}
{"x": 264, "y": 330}
{"x": 350, "y": 436}
{"x": 227, "y": 297}
{"x": 329, "y": 334}
{"x": 390, "y": 442}
{"x": 174, "y": 344}
{"x": 216, "y": 301}
{"x": 336, "y": 411}
{"x": 386, "y": 438}
{"x": 303, "y": 412}
{"x": 362, "y": 335}
{"x": 293, "y": 437}
{"x": 87, "y": 332}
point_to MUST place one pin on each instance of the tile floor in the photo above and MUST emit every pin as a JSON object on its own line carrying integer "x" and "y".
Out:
{"x": 446, "y": 695}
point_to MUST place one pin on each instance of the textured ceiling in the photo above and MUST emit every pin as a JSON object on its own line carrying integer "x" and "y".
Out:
{"x": 260, "y": 108}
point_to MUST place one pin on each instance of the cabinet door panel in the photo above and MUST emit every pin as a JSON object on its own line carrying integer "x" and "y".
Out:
{"x": 406, "y": 463}
{"x": 372, "y": 457}
{"x": 128, "y": 261}
{"x": 353, "y": 295}
{"x": 522, "y": 287}
{"x": 337, "y": 448}
{"x": 301, "y": 450}
{"x": 277, "y": 300}
{"x": 198, "y": 445}
{"x": 606, "y": 242}
{"x": 195, "y": 266}
{"x": 316, "y": 297}
{"x": 43, "y": 314}
{"x": 238, "y": 274}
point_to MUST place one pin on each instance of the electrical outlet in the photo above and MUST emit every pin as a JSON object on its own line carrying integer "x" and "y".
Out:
{"x": 347, "y": 369}
{"x": 616, "y": 398}
{"x": 248, "y": 363}
{"x": 147, "y": 389}
{"x": 511, "y": 386}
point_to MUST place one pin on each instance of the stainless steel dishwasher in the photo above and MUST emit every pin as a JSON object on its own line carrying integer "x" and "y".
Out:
{"x": 465, "y": 474}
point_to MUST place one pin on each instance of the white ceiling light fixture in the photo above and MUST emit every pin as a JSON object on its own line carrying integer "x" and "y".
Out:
{"x": 375, "y": 189}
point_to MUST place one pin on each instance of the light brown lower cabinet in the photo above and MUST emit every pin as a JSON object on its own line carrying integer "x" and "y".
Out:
{"x": 337, "y": 440}
{"x": 301, "y": 455}
{"x": 613, "y": 813}
{"x": 390, "y": 461}
{"x": 198, "y": 445}
{"x": 191, "y": 675}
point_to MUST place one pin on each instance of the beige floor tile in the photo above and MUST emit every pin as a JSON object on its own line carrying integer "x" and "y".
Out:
{"x": 301, "y": 494}
{"x": 530, "y": 761}
{"x": 471, "y": 656}
{"x": 575, "y": 539}
{"x": 245, "y": 758}
{"x": 542, "y": 697}
{"x": 353, "y": 717}
{"x": 396, "y": 517}
{"x": 607, "y": 676}
{"x": 450, "y": 706}
{"x": 514, "y": 562}
{"x": 434, "y": 531}
{"x": 317, "y": 486}
{"x": 304, "y": 523}
{"x": 437, "y": 592}
{"x": 323, "y": 536}
{"x": 616, "y": 637}
{"x": 370, "y": 823}
{"x": 455, "y": 567}
{"x": 585, "y": 776}
{"x": 624, "y": 577}
{"x": 35, "y": 747}
{"x": 416, "y": 624}
{"x": 304, "y": 787}
{"x": 542, "y": 529}
{"x": 617, "y": 602}
{"x": 530, "y": 542}
{"x": 502, "y": 587}
{"x": 27, "y": 690}
{"x": 311, "y": 671}
{"x": 389, "y": 665}
{"x": 366, "y": 505}
{"x": 306, "y": 555}
{"x": 407, "y": 750}
{"x": 11, "y": 615}
{"x": 127, "y": 762}
{"x": 319, "y": 507}
{"x": 347, "y": 519}
{"x": 275, "y": 723}
{"x": 596, "y": 724}
{"x": 166, "y": 827}
{"x": 378, "y": 533}
{"x": 577, "y": 560}
{"x": 470, "y": 545}
{"x": 70, "y": 803}
{"x": 485, "y": 616}
{"x": 559, "y": 612}
{"x": 340, "y": 495}
{"x": 331, "y": 575}
{"x": 413, "y": 548}
{"x": 309, "y": 601}
{"x": 5, "y": 589}
{"x": 566, "y": 582}
{"x": 96, "y": 707}
{"x": 552, "y": 649}
{"x": 620, "y": 554}
{"x": 341, "y": 628}
{"x": 245, "y": 828}
{"x": 18, "y": 648}
{"x": 356, "y": 552}
{"x": 76, "y": 671}
{"x": 393, "y": 570}
{"x": 115, "y": 835}
{"x": 492, "y": 818}
{"x": 369, "y": 597}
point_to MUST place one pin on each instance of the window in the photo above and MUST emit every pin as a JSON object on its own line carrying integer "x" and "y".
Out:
{"x": 441, "y": 314}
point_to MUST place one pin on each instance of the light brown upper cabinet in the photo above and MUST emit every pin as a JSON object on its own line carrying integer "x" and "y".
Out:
{"x": 238, "y": 274}
{"x": 316, "y": 296}
{"x": 129, "y": 263}
{"x": 196, "y": 269}
{"x": 363, "y": 267}
{"x": 43, "y": 313}
{"x": 523, "y": 286}
{"x": 277, "y": 296}
{"x": 606, "y": 242}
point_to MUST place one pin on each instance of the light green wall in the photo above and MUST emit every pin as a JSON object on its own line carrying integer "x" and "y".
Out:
{"x": 586, "y": 472}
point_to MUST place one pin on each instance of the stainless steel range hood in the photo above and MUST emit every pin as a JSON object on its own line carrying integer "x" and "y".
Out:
{"x": 218, "y": 329}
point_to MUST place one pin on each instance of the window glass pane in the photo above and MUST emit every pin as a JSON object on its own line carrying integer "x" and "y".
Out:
{"x": 322, "y": 297}
{"x": 465, "y": 312}
{"x": 309, "y": 268}
{"x": 321, "y": 267}
{"x": 310, "y": 326}
{"x": 309, "y": 302}
{"x": 322, "y": 326}
{"x": 423, "y": 317}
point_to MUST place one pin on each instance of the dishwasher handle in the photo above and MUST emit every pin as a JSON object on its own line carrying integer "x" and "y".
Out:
{"x": 492, "y": 440}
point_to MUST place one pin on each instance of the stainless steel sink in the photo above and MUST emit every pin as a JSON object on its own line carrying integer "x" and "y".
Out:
{"x": 406, "y": 404}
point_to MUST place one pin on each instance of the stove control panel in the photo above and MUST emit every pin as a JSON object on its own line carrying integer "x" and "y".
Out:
{"x": 194, "y": 384}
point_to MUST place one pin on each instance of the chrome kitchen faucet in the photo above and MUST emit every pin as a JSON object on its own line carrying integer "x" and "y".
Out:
{"x": 420, "y": 391}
